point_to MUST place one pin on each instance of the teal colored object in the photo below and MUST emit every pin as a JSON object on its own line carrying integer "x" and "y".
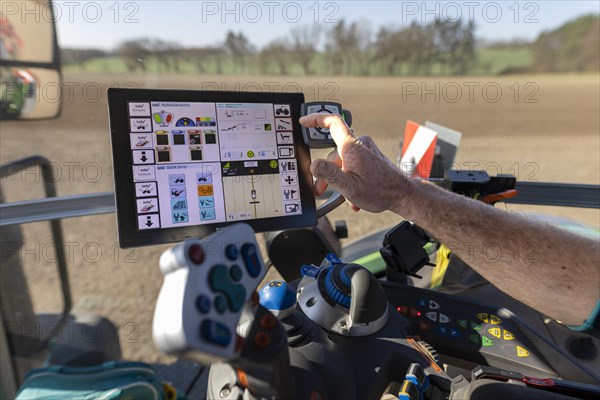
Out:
{"x": 591, "y": 322}
{"x": 109, "y": 381}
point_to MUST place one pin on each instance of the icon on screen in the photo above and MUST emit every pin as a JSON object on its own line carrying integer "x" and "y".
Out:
{"x": 163, "y": 118}
{"x": 292, "y": 208}
{"x": 286, "y": 151}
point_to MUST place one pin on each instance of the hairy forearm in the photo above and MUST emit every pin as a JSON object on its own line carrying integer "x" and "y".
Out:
{"x": 548, "y": 268}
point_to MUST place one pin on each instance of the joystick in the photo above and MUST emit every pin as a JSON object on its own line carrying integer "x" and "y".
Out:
{"x": 208, "y": 284}
{"x": 317, "y": 138}
{"x": 342, "y": 298}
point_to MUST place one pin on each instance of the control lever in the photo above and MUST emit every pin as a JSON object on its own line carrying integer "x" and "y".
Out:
{"x": 569, "y": 388}
{"x": 342, "y": 298}
{"x": 336, "y": 200}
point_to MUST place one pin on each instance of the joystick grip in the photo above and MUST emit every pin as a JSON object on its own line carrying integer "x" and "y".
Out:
{"x": 368, "y": 299}
{"x": 343, "y": 298}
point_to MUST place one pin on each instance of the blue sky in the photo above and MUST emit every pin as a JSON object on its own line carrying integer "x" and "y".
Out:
{"x": 103, "y": 24}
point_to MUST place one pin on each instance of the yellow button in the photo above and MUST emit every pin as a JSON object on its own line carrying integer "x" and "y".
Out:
{"x": 483, "y": 317}
{"x": 495, "y": 320}
{"x": 404, "y": 388}
{"x": 508, "y": 335}
{"x": 497, "y": 332}
{"x": 521, "y": 352}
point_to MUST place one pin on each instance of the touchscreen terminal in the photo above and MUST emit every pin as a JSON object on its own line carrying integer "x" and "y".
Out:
{"x": 188, "y": 162}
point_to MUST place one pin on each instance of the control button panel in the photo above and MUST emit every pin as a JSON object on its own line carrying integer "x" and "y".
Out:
{"x": 204, "y": 292}
{"x": 458, "y": 327}
{"x": 320, "y": 137}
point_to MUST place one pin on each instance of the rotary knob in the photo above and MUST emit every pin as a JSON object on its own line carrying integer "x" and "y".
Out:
{"x": 337, "y": 284}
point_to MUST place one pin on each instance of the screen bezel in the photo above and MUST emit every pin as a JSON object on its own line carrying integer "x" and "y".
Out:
{"x": 129, "y": 235}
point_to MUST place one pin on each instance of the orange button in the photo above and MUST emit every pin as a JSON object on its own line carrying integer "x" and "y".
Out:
{"x": 242, "y": 378}
{"x": 267, "y": 321}
{"x": 205, "y": 190}
{"x": 261, "y": 340}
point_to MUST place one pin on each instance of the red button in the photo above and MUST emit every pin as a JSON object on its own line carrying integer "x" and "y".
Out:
{"x": 415, "y": 313}
{"x": 196, "y": 254}
{"x": 402, "y": 310}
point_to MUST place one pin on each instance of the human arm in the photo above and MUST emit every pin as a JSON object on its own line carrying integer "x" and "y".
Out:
{"x": 550, "y": 269}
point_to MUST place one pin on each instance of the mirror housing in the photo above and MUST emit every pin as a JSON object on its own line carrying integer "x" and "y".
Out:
{"x": 30, "y": 74}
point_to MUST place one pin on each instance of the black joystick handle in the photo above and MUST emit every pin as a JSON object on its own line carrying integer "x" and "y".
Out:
{"x": 368, "y": 299}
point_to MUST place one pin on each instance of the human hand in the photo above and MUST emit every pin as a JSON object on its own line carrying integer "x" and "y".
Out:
{"x": 357, "y": 168}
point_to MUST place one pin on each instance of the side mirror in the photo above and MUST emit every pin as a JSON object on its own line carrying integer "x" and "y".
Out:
{"x": 30, "y": 77}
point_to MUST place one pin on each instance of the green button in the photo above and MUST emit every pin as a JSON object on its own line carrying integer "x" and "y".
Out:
{"x": 463, "y": 323}
{"x": 220, "y": 304}
{"x": 236, "y": 272}
{"x": 475, "y": 338}
{"x": 487, "y": 342}
{"x": 220, "y": 281}
{"x": 217, "y": 278}
{"x": 475, "y": 326}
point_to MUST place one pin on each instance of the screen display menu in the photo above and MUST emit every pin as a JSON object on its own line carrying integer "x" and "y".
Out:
{"x": 200, "y": 163}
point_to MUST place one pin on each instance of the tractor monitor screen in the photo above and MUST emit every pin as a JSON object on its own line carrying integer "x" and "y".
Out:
{"x": 189, "y": 162}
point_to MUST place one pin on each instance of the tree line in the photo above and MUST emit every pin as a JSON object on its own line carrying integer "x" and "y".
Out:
{"x": 353, "y": 48}
{"x": 573, "y": 47}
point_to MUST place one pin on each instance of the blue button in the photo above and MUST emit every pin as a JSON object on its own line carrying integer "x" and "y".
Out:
{"x": 454, "y": 332}
{"x": 203, "y": 304}
{"x": 232, "y": 252}
{"x": 333, "y": 259}
{"x": 443, "y": 330}
{"x": 277, "y": 295}
{"x": 251, "y": 259}
{"x": 417, "y": 375}
{"x": 179, "y": 217}
{"x": 207, "y": 214}
{"x": 414, "y": 380}
{"x": 422, "y": 302}
{"x": 309, "y": 270}
{"x": 215, "y": 332}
